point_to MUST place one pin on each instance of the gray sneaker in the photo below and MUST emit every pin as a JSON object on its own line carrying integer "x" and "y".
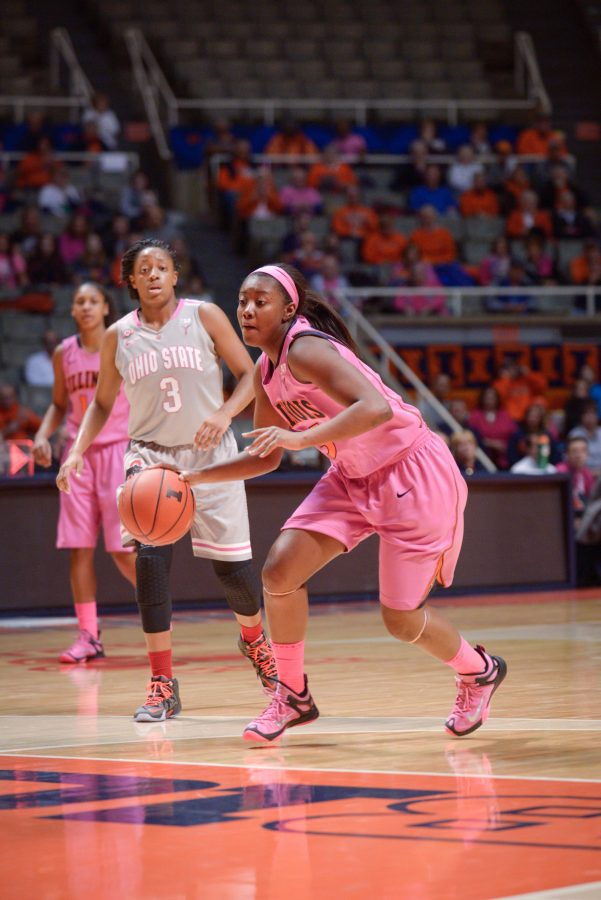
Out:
{"x": 162, "y": 702}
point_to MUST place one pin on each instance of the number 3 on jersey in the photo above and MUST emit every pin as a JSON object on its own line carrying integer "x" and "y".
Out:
{"x": 173, "y": 399}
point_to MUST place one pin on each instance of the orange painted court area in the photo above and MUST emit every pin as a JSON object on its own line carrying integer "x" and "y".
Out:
{"x": 163, "y": 830}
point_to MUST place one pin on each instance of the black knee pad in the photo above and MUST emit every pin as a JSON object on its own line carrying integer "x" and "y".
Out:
{"x": 152, "y": 587}
{"x": 241, "y": 586}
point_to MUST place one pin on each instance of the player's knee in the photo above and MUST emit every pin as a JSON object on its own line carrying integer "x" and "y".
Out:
{"x": 152, "y": 587}
{"x": 276, "y": 574}
{"x": 402, "y": 624}
{"x": 241, "y": 586}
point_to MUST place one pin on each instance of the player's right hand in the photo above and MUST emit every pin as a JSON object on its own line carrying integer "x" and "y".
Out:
{"x": 42, "y": 452}
{"x": 73, "y": 463}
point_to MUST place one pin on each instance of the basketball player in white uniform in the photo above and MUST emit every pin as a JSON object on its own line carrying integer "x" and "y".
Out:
{"x": 168, "y": 355}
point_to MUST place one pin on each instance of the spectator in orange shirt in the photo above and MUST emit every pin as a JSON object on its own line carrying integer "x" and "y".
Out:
{"x": 232, "y": 177}
{"x": 331, "y": 174}
{"x": 514, "y": 186}
{"x": 518, "y": 388}
{"x": 535, "y": 140}
{"x": 290, "y": 140}
{"x": 354, "y": 219}
{"x": 528, "y": 216}
{"x": 16, "y": 421}
{"x": 480, "y": 200}
{"x": 435, "y": 242}
{"x": 259, "y": 197}
{"x": 35, "y": 168}
{"x": 586, "y": 268}
{"x": 384, "y": 245}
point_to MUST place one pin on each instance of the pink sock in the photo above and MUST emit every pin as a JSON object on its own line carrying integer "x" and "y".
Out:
{"x": 467, "y": 661}
{"x": 87, "y": 617}
{"x": 250, "y": 633}
{"x": 290, "y": 659}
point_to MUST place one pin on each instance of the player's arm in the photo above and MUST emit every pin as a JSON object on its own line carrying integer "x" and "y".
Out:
{"x": 54, "y": 415}
{"x": 313, "y": 360}
{"x": 97, "y": 413}
{"x": 243, "y": 466}
{"x": 232, "y": 351}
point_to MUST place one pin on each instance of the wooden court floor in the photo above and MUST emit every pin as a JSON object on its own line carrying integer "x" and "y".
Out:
{"x": 372, "y": 800}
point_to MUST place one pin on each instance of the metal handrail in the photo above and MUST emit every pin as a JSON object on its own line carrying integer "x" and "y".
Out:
{"x": 363, "y": 331}
{"x": 39, "y": 101}
{"x": 61, "y": 48}
{"x": 153, "y": 87}
{"x": 528, "y": 78}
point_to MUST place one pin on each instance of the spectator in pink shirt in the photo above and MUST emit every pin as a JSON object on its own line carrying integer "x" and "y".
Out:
{"x": 72, "y": 242}
{"x": 296, "y": 195}
{"x": 348, "y": 143}
{"x": 13, "y": 268}
{"x": 574, "y": 464}
{"x": 493, "y": 425}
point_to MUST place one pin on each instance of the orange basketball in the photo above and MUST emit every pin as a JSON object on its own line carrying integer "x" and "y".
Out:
{"x": 156, "y": 507}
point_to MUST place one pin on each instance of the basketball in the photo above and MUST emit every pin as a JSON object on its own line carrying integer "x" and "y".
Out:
{"x": 156, "y": 507}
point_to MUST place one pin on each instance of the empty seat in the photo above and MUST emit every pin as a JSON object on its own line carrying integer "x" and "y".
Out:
{"x": 379, "y": 49}
{"x": 302, "y": 49}
{"x": 222, "y": 49}
{"x": 387, "y": 69}
{"x": 484, "y": 228}
{"x": 433, "y": 69}
{"x": 266, "y": 49}
{"x": 418, "y": 50}
{"x": 335, "y": 50}
{"x": 354, "y": 69}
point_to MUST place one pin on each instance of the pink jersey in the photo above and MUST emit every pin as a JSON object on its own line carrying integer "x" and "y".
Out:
{"x": 81, "y": 368}
{"x": 304, "y": 405}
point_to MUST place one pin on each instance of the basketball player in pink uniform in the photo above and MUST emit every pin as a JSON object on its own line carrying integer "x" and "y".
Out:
{"x": 389, "y": 475}
{"x": 168, "y": 354}
{"x": 92, "y": 500}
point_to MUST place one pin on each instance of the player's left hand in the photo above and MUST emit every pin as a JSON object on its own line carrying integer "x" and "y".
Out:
{"x": 266, "y": 440}
{"x": 212, "y": 430}
{"x": 191, "y": 477}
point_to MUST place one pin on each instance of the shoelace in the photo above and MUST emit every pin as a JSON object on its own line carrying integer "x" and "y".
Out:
{"x": 263, "y": 658}
{"x": 157, "y": 692}
{"x": 276, "y": 710}
{"x": 463, "y": 701}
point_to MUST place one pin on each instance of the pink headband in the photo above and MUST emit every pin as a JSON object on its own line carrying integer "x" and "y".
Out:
{"x": 284, "y": 279}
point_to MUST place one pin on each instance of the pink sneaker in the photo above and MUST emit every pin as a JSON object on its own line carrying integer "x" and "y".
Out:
{"x": 472, "y": 705}
{"x": 84, "y": 648}
{"x": 286, "y": 710}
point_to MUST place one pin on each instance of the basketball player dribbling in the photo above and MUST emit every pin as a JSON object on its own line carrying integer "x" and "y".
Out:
{"x": 168, "y": 354}
{"x": 92, "y": 501}
{"x": 389, "y": 475}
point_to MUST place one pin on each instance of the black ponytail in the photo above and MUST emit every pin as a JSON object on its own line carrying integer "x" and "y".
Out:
{"x": 318, "y": 311}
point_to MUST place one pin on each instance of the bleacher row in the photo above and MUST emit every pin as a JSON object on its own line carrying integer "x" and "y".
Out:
{"x": 20, "y": 68}
{"x": 430, "y": 49}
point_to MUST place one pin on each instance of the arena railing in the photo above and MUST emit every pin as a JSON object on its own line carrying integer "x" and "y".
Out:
{"x": 385, "y": 363}
{"x": 80, "y": 90}
{"x": 107, "y": 160}
{"x": 457, "y": 296}
{"x": 153, "y": 87}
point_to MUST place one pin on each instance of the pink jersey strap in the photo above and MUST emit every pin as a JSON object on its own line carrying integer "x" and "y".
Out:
{"x": 284, "y": 279}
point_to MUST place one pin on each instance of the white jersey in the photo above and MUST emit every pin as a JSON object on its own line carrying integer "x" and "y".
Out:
{"x": 173, "y": 378}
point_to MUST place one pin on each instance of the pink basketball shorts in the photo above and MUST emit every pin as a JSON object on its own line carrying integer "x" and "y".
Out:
{"x": 93, "y": 501}
{"x": 415, "y": 505}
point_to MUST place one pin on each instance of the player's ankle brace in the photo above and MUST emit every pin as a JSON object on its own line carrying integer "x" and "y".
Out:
{"x": 241, "y": 586}
{"x": 152, "y": 587}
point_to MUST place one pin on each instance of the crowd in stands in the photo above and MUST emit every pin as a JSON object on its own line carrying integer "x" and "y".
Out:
{"x": 527, "y": 191}
{"x": 58, "y": 227}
